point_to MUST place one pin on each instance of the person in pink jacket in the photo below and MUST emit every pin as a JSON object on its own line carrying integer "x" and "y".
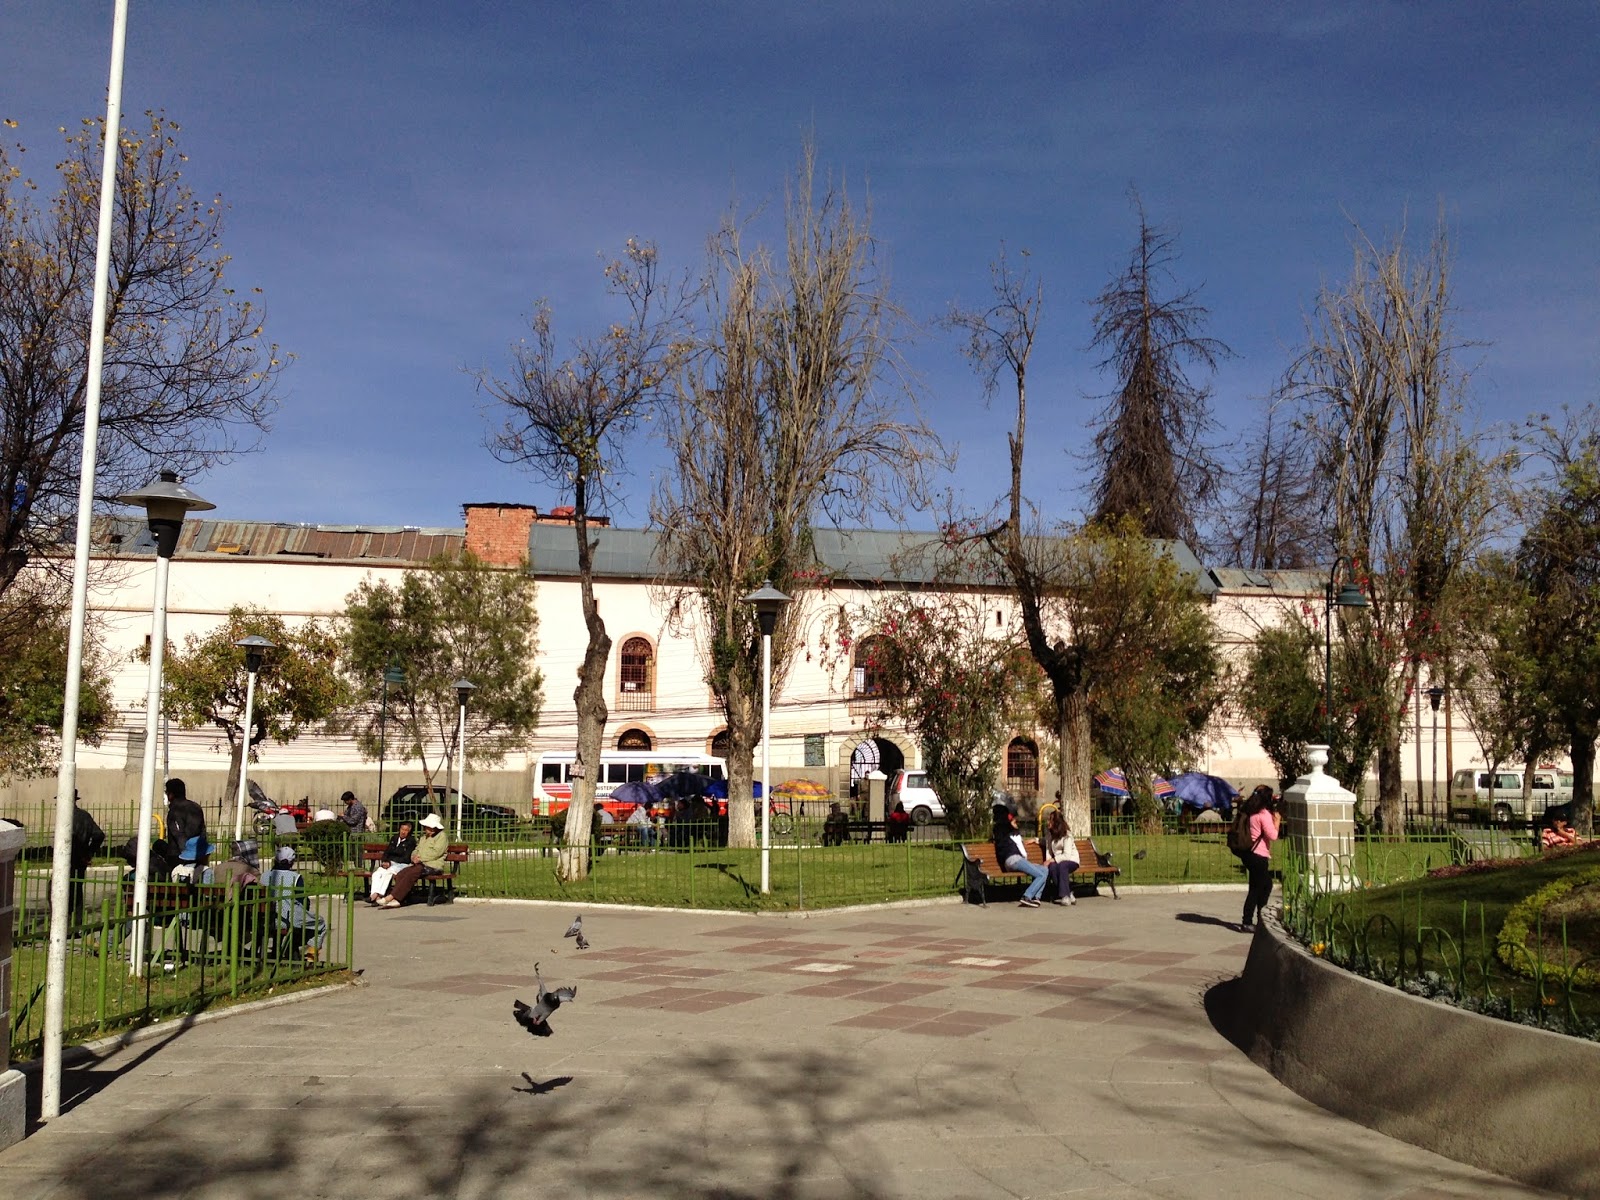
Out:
{"x": 1264, "y": 821}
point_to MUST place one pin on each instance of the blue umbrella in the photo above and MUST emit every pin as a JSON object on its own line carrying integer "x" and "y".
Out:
{"x": 717, "y": 789}
{"x": 1197, "y": 790}
{"x": 634, "y": 792}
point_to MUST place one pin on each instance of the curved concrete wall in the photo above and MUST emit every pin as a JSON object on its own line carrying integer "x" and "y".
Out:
{"x": 1508, "y": 1098}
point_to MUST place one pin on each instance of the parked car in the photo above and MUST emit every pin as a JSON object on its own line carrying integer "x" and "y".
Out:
{"x": 1497, "y": 796}
{"x": 921, "y": 801}
{"x": 414, "y": 801}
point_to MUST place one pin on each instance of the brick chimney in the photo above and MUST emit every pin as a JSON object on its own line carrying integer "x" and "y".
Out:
{"x": 498, "y": 533}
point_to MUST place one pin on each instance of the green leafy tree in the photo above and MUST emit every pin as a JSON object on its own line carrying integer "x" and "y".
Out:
{"x": 298, "y": 687}
{"x": 1153, "y": 672}
{"x": 1280, "y": 692}
{"x": 456, "y": 618}
{"x": 1560, "y": 559}
{"x": 957, "y": 683}
{"x": 188, "y": 378}
{"x": 33, "y": 664}
{"x": 1497, "y": 670}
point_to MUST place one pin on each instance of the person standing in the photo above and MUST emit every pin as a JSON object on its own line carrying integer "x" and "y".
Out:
{"x": 186, "y": 831}
{"x": 87, "y": 838}
{"x": 1011, "y": 852}
{"x": 355, "y": 814}
{"x": 1263, "y": 822}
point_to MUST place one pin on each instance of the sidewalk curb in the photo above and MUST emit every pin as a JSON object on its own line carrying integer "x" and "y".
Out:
{"x": 120, "y": 1041}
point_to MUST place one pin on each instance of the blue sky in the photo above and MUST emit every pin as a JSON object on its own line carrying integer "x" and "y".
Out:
{"x": 405, "y": 180}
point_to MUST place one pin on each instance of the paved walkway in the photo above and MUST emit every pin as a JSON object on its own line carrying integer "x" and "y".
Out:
{"x": 938, "y": 1051}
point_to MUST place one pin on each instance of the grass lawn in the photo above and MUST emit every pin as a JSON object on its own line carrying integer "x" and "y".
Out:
{"x": 1449, "y": 925}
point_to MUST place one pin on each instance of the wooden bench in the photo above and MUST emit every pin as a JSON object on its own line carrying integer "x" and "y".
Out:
{"x": 980, "y": 869}
{"x": 436, "y": 889}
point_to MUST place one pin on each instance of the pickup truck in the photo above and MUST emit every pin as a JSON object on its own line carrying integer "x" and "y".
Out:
{"x": 1479, "y": 795}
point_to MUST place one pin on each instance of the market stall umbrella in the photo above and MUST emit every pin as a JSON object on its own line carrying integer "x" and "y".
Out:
{"x": 1197, "y": 790}
{"x": 1112, "y": 783}
{"x": 685, "y": 785}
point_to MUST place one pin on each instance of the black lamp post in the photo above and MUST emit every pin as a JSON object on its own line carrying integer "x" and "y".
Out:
{"x": 394, "y": 674}
{"x": 1435, "y": 694}
{"x": 464, "y": 689}
{"x": 768, "y": 602}
{"x": 1348, "y": 596}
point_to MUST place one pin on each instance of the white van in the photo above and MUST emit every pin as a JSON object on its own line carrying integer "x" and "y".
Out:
{"x": 1478, "y": 795}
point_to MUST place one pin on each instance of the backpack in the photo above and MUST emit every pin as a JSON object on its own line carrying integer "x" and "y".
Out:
{"x": 1239, "y": 839}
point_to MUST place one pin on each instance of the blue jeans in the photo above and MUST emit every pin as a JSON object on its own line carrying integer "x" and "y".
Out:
{"x": 1023, "y": 867}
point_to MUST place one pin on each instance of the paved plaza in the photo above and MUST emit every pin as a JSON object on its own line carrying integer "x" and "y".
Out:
{"x": 916, "y": 1052}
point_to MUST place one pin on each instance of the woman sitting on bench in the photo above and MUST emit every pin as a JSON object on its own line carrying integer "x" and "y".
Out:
{"x": 427, "y": 859}
{"x": 396, "y": 858}
{"x": 1061, "y": 855}
{"x": 1012, "y": 854}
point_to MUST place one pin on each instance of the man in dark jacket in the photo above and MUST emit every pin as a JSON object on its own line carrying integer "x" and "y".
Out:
{"x": 87, "y": 838}
{"x": 186, "y": 827}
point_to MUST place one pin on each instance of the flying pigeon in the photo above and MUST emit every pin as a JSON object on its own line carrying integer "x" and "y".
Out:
{"x": 575, "y": 930}
{"x": 535, "y": 1018}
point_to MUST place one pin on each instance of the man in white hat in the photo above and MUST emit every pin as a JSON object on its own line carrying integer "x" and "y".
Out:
{"x": 427, "y": 859}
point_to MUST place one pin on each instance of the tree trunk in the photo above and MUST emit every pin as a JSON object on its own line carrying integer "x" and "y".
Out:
{"x": 589, "y": 699}
{"x": 744, "y": 737}
{"x": 1390, "y": 789}
{"x": 1076, "y": 773}
{"x": 1583, "y": 782}
{"x": 231, "y": 790}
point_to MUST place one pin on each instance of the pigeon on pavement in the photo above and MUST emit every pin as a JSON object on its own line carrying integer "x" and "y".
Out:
{"x": 575, "y": 930}
{"x": 535, "y": 1018}
{"x": 583, "y": 942}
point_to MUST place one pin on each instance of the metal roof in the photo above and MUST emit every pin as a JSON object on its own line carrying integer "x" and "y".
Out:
{"x": 1275, "y": 583}
{"x": 872, "y": 556}
{"x": 126, "y": 535}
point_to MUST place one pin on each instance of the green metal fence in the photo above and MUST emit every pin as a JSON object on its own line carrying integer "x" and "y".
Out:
{"x": 213, "y": 946}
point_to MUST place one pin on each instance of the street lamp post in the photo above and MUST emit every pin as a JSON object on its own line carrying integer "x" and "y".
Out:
{"x": 1348, "y": 596}
{"x": 165, "y": 502}
{"x": 768, "y": 602}
{"x": 67, "y": 772}
{"x": 464, "y": 689}
{"x": 395, "y": 674}
{"x": 255, "y": 649}
{"x": 1435, "y": 695}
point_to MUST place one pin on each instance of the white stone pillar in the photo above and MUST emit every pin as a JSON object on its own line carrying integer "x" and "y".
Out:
{"x": 1319, "y": 822}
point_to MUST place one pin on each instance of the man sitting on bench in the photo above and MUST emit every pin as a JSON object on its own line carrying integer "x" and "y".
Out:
{"x": 427, "y": 859}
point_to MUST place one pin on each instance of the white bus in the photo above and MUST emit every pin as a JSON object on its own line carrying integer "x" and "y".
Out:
{"x": 552, "y": 788}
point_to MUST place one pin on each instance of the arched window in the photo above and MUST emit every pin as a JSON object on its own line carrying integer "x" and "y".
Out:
{"x": 634, "y": 739}
{"x": 637, "y": 690}
{"x": 1022, "y": 768}
{"x": 719, "y": 743}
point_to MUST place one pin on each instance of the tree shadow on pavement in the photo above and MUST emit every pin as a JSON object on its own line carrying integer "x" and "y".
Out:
{"x": 738, "y": 1127}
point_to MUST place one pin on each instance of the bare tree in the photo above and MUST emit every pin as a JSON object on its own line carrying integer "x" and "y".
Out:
{"x": 1409, "y": 495}
{"x": 783, "y": 418}
{"x": 566, "y": 421}
{"x": 1271, "y": 512}
{"x": 188, "y": 380}
{"x": 1152, "y": 464}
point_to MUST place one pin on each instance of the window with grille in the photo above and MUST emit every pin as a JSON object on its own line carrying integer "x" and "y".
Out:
{"x": 719, "y": 743}
{"x": 1022, "y": 767}
{"x": 637, "y": 690}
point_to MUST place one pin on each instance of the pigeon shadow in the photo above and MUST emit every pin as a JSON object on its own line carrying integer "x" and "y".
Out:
{"x": 535, "y": 1088}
